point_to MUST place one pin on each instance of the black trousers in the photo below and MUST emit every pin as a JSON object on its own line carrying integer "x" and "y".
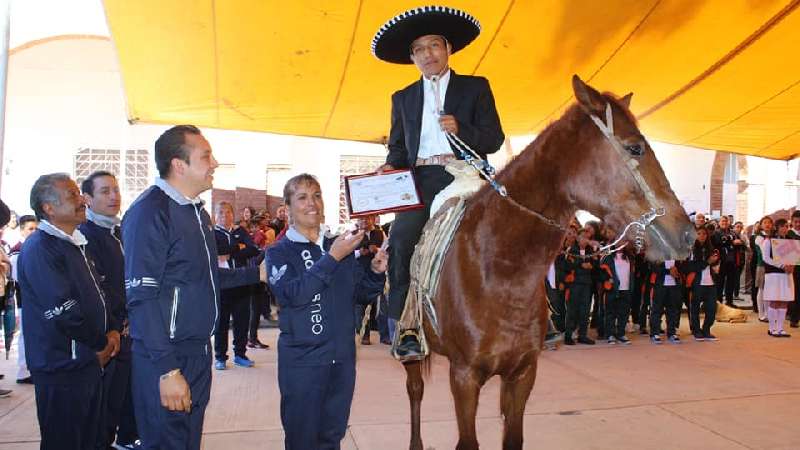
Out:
{"x": 636, "y": 299}
{"x": 666, "y": 298}
{"x": 405, "y": 233}
{"x": 754, "y": 287}
{"x": 726, "y": 281}
{"x": 598, "y": 311}
{"x": 235, "y": 303}
{"x": 259, "y": 306}
{"x": 645, "y": 306}
{"x": 559, "y": 313}
{"x": 617, "y": 307}
{"x": 117, "y": 415}
{"x": 578, "y": 309}
{"x": 69, "y": 414}
{"x": 705, "y": 297}
{"x": 160, "y": 428}
{"x": 794, "y": 307}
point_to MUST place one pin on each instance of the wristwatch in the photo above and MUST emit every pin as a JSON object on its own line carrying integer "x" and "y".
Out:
{"x": 171, "y": 373}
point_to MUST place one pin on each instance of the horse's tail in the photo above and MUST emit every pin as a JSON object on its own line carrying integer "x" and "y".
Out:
{"x": 427, "y": 366}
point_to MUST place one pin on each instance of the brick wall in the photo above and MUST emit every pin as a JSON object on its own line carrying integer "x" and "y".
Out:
{"x": 717, "y": 179}
{"x": 220, "y": 195}
{"x": 249, "y": 197}
{"x": 273, "y": 203}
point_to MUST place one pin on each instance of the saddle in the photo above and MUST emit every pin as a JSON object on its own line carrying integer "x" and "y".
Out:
{"x": 447, "y": 210}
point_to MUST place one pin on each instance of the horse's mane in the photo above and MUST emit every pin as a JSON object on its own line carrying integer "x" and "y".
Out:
{"x": 573, "y": 117}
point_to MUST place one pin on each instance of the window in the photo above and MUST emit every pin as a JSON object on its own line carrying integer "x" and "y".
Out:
{"x": 354, "y": 165}
{"x": 137, "y": 175}
{"x": 276, "y": 177}
{"x": 89, "y": 160}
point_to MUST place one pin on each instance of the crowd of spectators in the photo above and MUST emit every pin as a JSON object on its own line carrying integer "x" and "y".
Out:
{"x": 624, "y": 293}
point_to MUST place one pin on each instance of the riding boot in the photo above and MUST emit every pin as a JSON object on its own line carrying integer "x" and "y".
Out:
{"x": 408, "y": 346}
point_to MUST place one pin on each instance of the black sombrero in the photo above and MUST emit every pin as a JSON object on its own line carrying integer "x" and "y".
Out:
{"x": 393, "y": 40}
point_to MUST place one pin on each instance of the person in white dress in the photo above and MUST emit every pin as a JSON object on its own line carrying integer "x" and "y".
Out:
{"x": 778, "y": 284}
{"x": 765, "y": 227}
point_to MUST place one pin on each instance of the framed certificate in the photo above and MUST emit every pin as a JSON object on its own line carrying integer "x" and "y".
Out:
{"x": 379, "y": 193}
{"x": 786, "y": 251}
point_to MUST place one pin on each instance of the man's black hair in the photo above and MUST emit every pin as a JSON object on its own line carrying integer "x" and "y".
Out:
{"x": 172, "y": 144}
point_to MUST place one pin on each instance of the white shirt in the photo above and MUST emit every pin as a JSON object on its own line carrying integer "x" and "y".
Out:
{"x": 766, "y": 253}
{"x": 432, "y": 140}
{"x": 705, "y": 279}
{"x": 551, "y": 275}
{"x": 623, "y": 269}
{"x": 668, "y": 280}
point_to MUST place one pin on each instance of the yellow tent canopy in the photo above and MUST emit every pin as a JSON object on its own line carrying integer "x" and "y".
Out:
{"x": 716, "y": 74}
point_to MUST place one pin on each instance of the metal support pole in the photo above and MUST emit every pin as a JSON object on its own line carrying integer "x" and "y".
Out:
{"x": 5, "y": 26}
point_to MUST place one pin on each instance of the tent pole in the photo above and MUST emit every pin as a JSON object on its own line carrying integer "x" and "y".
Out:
{"x": 5, "y": 19}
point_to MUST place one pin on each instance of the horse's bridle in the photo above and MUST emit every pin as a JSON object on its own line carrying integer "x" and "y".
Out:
{"x": 607, "y": 128}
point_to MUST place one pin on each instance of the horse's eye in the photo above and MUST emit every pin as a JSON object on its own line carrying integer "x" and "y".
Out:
{"x": 635, "y": 149}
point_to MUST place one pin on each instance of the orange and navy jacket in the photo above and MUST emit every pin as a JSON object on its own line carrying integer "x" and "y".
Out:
{"x": 573, "y": 267}
{"x": 608, "y": 271}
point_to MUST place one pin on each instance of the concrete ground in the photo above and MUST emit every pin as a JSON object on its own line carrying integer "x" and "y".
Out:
{"x": 742, "y": 392}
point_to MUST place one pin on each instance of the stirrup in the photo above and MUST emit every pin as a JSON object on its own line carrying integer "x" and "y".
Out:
{"x": 411, "y": 338}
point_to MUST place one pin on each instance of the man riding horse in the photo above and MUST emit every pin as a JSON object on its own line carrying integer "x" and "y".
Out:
{"x": 441, "y": 102}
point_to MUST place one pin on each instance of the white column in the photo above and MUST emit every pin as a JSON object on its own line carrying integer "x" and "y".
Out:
{"x": 5, "y": 15}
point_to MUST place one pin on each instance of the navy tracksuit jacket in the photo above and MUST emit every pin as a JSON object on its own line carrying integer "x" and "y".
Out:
{"x": 65, "y": 325}
{"x": 316, "y": 348}
{"x": 234, "y": 302}
{"x": 173, "y": 286}
{"x": 105, "y": 249}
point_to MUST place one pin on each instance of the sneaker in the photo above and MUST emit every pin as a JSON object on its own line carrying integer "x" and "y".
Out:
{"x": 656, "y": 339}
{"x": 674, "y": 339}
{"x": 26, "y": 380}
{"x": 782, "y": 334}
{"x": 585, "y": 340}
{"x": 5, "y": 393}
{"x": 257, "y": 344}
{"x": 699, "y": 337}
{"x": 624, "y": 340}
{"x": 612, "y": 340}
{"x": 135, "y": 445}
{"x": 709, "y": 337}
{"x": 553, "y": 338}
{"x": 219, "y": 364}
{"x": 243, "y": 361}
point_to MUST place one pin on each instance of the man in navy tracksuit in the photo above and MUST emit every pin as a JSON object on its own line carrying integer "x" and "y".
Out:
{"x": 316, "y": 281}
{"x": 173, "y": 284}
{"x": 235, "y": 248}
{"x": 102, "y": 230}
{"x": 66, "y": 320}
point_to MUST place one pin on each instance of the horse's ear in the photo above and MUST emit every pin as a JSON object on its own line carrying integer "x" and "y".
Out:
{"x": 590, "y": 100}
{"x": 626, "y": 101}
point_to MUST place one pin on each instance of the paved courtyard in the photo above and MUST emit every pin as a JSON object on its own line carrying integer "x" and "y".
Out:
{"x": 742, "y": 392}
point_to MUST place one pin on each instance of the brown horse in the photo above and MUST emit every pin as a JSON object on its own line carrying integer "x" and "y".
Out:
{"x": 490, "y": 301}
